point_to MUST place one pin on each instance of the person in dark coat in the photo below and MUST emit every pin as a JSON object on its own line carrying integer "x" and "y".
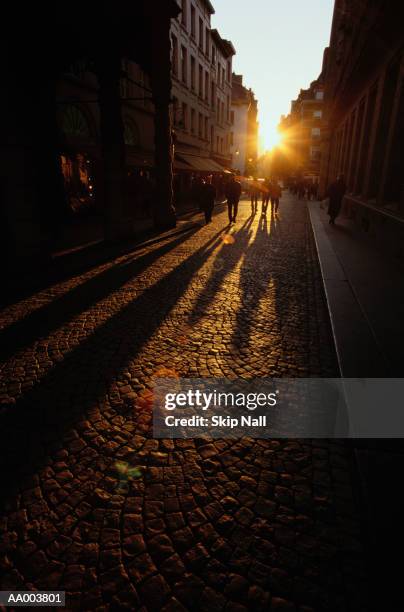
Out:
{"x": 315, "y": 190}
{"x": 196, "y": 191}
{"x": 266, "y": 195}
{"x": 208, "y": 197}
{"x": 254, "y": 192}
{"x": 276, "y": 194}
{"x": 233, "y": 193}
{"x": 335, "y": 193}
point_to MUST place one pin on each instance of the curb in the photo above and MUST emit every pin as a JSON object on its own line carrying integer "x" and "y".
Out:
{"x": 332, "y": 270}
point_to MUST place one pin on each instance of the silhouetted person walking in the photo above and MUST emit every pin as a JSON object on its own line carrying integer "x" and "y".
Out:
{"x": 315, "y": 190}
{"x": 208, "y": 196}
{"x": 335, "y": 192}
{"x": 276, "y": 193}
{"x": 254, "y": 191}
{"x": 301, "y": 189}
{"x": 233, "y": 193}
{"x": 266, "y": 194}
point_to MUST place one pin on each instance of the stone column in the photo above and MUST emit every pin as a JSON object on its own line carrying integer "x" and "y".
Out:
{"x": 47, "y": 173}
{"x": 31, "y": 183}
{"x": 163, "y": 208}
{"x": 373, "y": 135}
{"x": 112, "y": 143}
{"x": 327, "y": 147}
{"x": 394, "y": 132}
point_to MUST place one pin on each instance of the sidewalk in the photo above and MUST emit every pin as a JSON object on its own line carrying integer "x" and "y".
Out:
{"x": 365, "y": 298}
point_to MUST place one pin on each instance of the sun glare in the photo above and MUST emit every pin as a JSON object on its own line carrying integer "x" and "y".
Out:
{"x": 273, "y": 138}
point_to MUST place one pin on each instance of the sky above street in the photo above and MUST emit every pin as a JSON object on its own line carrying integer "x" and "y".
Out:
{"x": 279, "y": 46}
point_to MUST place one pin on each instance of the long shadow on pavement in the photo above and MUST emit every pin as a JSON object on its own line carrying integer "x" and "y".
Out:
{"x": 255, "y": 277}
{"x": 226, "y": 261}
{"x": 41, "y": 322}
{"x": 36, "y": 423}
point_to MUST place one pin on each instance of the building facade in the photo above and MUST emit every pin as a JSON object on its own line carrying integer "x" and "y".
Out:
{"x": 201, "y": 63}
{"x": 303, "y": 131}
{"x": 244, "y": 136}
{"x": 66, "y": 147}
{"x": 115, "y": 120}
{"x": 365, "y": 106}
{"x": 80, "y": 128}
{"x": 201, "y": 94}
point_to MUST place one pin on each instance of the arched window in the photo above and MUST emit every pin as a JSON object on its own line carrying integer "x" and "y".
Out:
{"x": 130, "y": 134}
{"x": 74, "y": 123}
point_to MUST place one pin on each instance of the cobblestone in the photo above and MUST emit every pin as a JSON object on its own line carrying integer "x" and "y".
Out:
{"x": 94, "y": 506}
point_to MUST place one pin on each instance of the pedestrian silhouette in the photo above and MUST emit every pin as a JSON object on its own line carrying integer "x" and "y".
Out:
{"x": 276, "y": 193}
{"x": 233, "y": 193}
{"x": 254, "y": 191}
{"x": 266, "y": 195}
{"x": 207, "y": 198}
{"x": 335, "y": 193}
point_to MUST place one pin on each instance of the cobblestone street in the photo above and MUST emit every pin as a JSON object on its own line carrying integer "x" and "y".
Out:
{"x": 93, "y": 505}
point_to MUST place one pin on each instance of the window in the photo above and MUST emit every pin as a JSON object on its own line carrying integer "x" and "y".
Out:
{"x": 184, "y": 13}
{"x": 174, "y": 57}
{"x": 193, "y": 73}
{"x": 231, "y": 138}
{"x": 206, "y": 128}
{"x": 200, "y": 126}
{"x": 192, "y": 121}
{"x": 207, "y": 41}
{"x": 318, "y": 114}
{"x": 175, "y": 110}
{"x": 319, "y": 95}
{"x": 130, "y": 133}
{"x": 232, "y": 117}
{"x": 228, "y": 108}
{"x": 200, "y": 91}
{"x": 213, "y": 55}
{"x": 213, "y": 95}
{"x": 183, "y": 63}
{"x": 315, "y": 132}
{"x": 184, "y": 116}
{"x": 193, "y": 21}
{"x": 229, "y": 71}
{"x": 217, "y": 143}
{"x": 207, "y": 86}
{"x": 212, "y": 137}
{"x": 74, "y": 123}
{"x": 315, "y": 153}
{"x": 200, "y": 33}
{"x": 77, "y": 170}
{"x": 123, "y": 84}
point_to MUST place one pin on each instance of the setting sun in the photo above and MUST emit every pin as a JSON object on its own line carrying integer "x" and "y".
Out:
{"x": 270, "y": 138}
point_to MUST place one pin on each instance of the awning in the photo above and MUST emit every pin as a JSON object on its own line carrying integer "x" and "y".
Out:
{"x": 179, "y": 164}
{"x": 139, "y": 159}
{"x": 200, "y": 164}
{"x": 223, "y": 165}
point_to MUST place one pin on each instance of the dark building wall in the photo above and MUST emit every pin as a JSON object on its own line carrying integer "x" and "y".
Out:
{"x": 46, "y": 42}
{"x": 364, "y": 102}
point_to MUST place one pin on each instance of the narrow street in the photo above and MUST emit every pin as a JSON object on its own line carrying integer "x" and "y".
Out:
{"x": 93, "y": 505}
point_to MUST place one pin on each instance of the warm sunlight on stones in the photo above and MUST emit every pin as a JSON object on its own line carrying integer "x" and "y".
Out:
{"x": 228, "y": 239}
